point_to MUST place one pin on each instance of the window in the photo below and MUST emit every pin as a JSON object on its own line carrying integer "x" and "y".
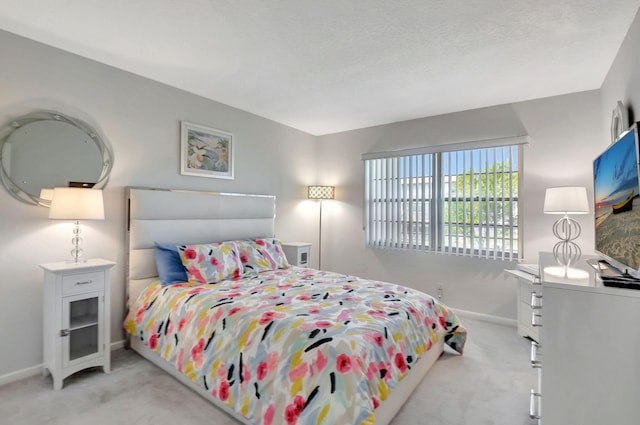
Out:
{"x": 458, "y": 201}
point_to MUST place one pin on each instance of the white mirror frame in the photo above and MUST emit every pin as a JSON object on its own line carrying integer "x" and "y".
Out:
{"x": 619, "y": 121}
{"x": 9, "y": 127}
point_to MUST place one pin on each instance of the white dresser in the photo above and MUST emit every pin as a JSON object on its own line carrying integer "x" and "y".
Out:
{"x": 76, "y": 317}
{"x": 591, "y": 343}
{"x": 529, "y": 299}
{"x": 529, "y": 310}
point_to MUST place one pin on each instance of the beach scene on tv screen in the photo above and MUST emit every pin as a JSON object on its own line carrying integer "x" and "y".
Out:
{"x": 617, "y": 202}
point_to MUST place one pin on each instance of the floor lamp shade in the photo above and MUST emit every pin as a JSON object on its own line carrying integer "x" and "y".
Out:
{"x": 71, "y": 203}
{"x": 321, "y": 192}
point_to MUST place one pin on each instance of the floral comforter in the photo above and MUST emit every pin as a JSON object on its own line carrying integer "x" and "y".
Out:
{"x": 294, "y": 345}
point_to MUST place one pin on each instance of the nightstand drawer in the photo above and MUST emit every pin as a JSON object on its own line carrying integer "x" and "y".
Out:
{"x": 83, "y": 282}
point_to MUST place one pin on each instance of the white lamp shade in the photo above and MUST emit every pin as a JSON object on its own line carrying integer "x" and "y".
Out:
{"x": 321, "y": 192}
{"x": 566, "y": 200}
{"x": 73, "y": 203}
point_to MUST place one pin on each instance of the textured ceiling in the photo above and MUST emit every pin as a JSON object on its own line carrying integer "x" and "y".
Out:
{"x": 325, "y": 66}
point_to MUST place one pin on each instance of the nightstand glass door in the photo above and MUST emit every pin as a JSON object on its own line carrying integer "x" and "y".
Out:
{"x": 81, "y": 332}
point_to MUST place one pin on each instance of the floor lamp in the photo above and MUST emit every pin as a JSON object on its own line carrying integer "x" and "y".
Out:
{"x": 320, "y": 193}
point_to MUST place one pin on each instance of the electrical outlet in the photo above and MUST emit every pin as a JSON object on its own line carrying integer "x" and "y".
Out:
{"x": 440, "y": 292}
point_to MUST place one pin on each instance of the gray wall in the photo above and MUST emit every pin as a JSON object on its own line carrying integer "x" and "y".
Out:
{"x": 623, "y": 80}
{"x": 141, "y": 120}
{"x": 565, "y": 135}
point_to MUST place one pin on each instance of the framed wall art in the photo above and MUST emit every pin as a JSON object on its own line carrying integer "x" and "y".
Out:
{"x": 205, "y": 152}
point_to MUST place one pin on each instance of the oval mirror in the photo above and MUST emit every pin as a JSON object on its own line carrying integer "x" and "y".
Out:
{"x": 43, "y": 150}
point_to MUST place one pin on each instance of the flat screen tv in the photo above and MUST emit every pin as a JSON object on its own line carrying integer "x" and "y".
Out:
{"x": 617, "y": 203}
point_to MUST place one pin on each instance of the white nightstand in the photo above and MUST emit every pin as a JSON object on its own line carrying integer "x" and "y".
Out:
{"x": 76, "y": 317}
{"x": 298, "y": 253}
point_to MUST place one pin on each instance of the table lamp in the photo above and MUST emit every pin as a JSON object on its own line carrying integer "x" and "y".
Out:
{"x": 566, "y": 200}
{"x": 71, "y": 203}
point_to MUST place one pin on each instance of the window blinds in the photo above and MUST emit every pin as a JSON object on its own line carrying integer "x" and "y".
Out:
{"x": 462, "y": 201}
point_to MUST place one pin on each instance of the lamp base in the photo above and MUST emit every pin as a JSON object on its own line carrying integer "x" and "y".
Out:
{"x": 566, "y": 229}
{"x": 74, "y": 261}
{"x": 77, "y": 253}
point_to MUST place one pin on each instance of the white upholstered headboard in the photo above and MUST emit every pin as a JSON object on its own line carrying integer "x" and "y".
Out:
{"x": 187, "y": 217}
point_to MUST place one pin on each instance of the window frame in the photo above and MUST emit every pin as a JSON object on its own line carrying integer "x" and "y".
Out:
{"x": 432, "y": 237}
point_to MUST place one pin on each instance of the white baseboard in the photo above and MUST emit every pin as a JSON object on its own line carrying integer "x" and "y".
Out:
{"x": 487, "y": 318}
{"x": 20, "y": 374}
{"x": 36, "y": 370}
{"x": 117, "y": 345}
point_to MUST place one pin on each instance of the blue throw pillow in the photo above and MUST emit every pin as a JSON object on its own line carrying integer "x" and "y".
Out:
{"x": 169, "y": 265}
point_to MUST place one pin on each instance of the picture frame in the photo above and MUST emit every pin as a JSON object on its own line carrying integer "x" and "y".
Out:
{"x": 206, "y": 151}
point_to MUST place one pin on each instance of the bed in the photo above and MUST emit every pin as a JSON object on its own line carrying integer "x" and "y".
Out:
{"x": 272, "y": 344}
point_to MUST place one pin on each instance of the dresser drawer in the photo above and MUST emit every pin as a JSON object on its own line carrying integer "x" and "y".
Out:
{"x": 531, "y": 294}
{"x": 536, "y": 358}
{"x": 525, "y": 328}
{"x": 534, "y": 405}
{"x": 536, "y": 300}
{"x": 525, "y": 290}
{"x": 82, "y": 282}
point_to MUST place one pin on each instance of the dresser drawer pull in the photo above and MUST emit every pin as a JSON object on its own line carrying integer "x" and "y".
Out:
{"x": 536, "y": 319}
{"x": 535, "y": 354}
{"x": 534, "y": 405}
{"x": 536, "y": 301}
{"x": 84, "y": 282}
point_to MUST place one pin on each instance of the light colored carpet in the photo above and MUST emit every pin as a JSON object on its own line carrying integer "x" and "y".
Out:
{"x": 489, "y": 385}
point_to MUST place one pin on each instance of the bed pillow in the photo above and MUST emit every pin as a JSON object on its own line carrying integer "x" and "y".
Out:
{"x": 252, "y": 260}
{"x": 169, "y": 264}
{"x": 210, "y": 263}
{"x": 271, "y": 250}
